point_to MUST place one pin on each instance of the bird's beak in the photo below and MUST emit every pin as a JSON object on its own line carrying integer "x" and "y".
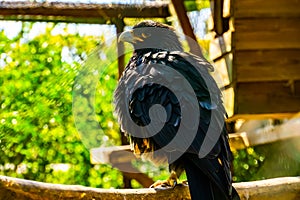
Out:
{"x": 126, "y": 36}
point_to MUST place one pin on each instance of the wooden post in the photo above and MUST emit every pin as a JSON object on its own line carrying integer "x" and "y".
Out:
{"x": 187, "y": 27}
{"x": 119, "y": 23}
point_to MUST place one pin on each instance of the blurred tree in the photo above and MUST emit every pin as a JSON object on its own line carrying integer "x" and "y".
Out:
{"x": 41, "y": 141}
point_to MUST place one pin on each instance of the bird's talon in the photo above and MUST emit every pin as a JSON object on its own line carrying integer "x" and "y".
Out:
{"x": 185, "y": 182}
{"x": 162, "y": 184}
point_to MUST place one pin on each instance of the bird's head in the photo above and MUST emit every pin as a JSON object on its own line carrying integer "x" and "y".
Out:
{"x": 152, "y": 35}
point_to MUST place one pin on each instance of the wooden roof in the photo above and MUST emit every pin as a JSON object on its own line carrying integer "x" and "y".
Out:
{"x": 80, "y": 12}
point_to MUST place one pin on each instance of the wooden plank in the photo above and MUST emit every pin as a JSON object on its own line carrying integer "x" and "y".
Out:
{"x": 287, "y": 188}
{"x": 266, "y": 8}
{"x": 267, "y": 97}
{"x": 114, "y": 154}
{"x": 121, "y": 156}
{"x": 282, "y": 39}
{"x": 45, "y": 11}
{"x": 266, "y": 33}
{"x": 266, "y": 24}
{"x": 267, "y": 65}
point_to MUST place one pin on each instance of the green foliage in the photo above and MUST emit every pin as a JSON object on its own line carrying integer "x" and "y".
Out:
{"x": 196, "y": 5}
{"x": 37, "y": 77}
{"x": 277, "y": 159}
{"x": 1, "y": 140}
{"x": 246, "y": 164}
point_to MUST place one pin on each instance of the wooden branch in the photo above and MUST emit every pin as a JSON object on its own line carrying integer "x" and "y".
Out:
{"x": 28, "y": 190}
{"x": 79, "y": 12}
{"x": 287, "y": 188}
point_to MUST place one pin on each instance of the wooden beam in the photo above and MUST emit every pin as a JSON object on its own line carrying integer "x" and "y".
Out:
{"x": 239, "y": 140}
{"x": 56, "y": 19}
{"x": 218, "y": 16}
{"x": 114, "y": 154}
{"x": 187, "y": 27}
{"x": 287, "y": 188}
{"x": 79, "y": 12}
{"x": 121, "y": 56}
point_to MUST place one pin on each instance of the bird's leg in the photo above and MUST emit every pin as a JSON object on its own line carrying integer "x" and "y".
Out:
{"x": 171, "y": 182}
{"x": 176, "y": 169}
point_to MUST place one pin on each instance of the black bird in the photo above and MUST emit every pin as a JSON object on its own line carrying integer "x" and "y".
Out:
{"x": 171, "y": 108}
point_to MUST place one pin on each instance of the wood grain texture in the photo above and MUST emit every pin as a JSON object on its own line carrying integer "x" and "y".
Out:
{"x": 267, "y": 97}
{"x": 263, "y": 8}
{"x": 287, "y": 188}
{"x": 79, "y": 12}
{"x": 267, "y": 33}
{"x": 266, "y": 61}
{"x": 267, "y": 65}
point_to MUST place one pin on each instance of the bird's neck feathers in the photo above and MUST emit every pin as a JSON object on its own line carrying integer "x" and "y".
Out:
{"x": 161, "y": 43}
{"x": 141, "y": 52}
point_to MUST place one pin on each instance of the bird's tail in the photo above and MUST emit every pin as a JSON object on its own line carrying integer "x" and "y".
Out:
{"x": 207, "y": 180}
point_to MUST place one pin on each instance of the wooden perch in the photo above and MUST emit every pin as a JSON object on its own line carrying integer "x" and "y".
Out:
{"x": 79, "y": 12}
{"x": 287, "y": 188}
{"x": 121, "y": 158}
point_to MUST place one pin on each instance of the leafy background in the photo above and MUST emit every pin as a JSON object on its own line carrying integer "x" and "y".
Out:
{"x": 38, "y": 136}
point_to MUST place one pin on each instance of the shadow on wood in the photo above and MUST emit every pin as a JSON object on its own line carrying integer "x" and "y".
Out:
{"x": 287, "y": 188}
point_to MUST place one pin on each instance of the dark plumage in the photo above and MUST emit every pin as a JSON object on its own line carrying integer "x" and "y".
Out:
{"x": 149, "y": 79}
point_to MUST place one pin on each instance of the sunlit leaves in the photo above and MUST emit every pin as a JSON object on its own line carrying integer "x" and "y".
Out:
{"x": 37, "y": 75}
{"x": 246, "y": 164}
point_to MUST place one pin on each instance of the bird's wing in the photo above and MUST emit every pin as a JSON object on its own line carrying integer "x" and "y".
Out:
{"x": 149, "y": 80}
{"x": 170, "y": 79}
